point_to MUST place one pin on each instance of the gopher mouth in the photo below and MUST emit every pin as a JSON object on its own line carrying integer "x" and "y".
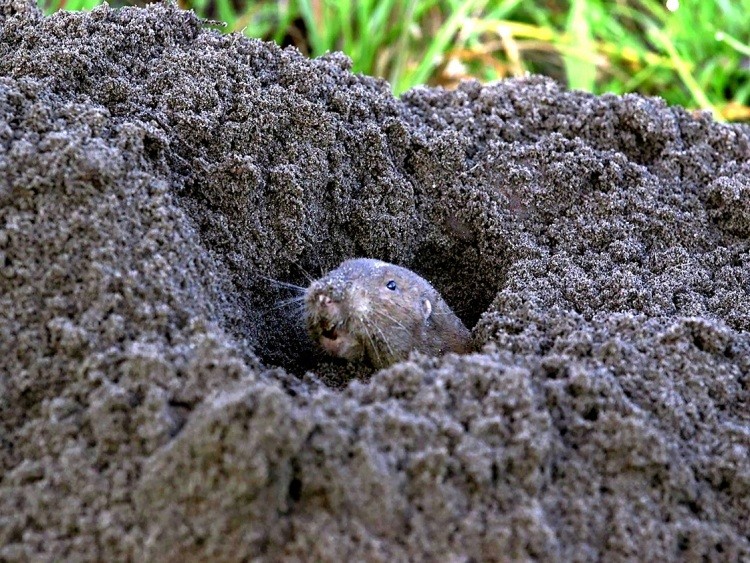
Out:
{"x": 328, "y": 326}
{"x": 331, "y": 330}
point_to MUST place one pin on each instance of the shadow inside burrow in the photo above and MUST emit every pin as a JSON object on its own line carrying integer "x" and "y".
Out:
{"x": 463, "y": 284}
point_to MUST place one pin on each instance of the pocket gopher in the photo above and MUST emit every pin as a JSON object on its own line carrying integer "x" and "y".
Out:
{"x": 372, "y": 311}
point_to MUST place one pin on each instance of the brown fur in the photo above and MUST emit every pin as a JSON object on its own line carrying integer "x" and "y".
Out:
{"x": 352, "y": 314}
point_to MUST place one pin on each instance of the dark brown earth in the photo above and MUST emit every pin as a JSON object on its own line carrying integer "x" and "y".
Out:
{"x": 156, "y": 404}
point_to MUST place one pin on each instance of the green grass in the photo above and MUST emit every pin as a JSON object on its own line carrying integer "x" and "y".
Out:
{"x": 696, "y": 55}
{"x": 72, "y": 5}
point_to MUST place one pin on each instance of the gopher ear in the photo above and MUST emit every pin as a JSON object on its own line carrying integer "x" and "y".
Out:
{"x": 426, "y": 308}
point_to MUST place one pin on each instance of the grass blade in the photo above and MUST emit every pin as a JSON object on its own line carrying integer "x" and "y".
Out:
{"x": 440, "y": 44}
{"x": 581, "y": 71}
{"x": 683, "y": 70}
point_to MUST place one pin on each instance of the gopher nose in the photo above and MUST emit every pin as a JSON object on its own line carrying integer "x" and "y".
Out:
{"x": 324, "y": 299}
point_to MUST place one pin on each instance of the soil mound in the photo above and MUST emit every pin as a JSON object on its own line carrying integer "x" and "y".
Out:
{"x": 156, "y": 403}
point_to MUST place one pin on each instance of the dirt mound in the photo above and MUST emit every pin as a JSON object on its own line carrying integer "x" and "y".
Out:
{"x": 155, "y": 403}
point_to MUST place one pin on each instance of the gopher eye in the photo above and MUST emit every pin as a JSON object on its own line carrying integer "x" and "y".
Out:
{"x": 391, "y": 285}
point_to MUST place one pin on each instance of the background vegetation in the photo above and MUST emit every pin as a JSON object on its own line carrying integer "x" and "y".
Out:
{"x": 691, "y": 52}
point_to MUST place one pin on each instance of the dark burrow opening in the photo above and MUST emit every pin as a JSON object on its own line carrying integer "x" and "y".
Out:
{"x": 279, "y": 326}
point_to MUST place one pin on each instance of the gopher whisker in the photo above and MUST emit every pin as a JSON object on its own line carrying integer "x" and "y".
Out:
{"x": 287, "y": 285}
{"x": 305, "y": 273}
{"x": 372, "y": 342}
{"x": 289, "y": 302}
{"x": 385, "y": 340}
{"x": 390, "y": 318}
